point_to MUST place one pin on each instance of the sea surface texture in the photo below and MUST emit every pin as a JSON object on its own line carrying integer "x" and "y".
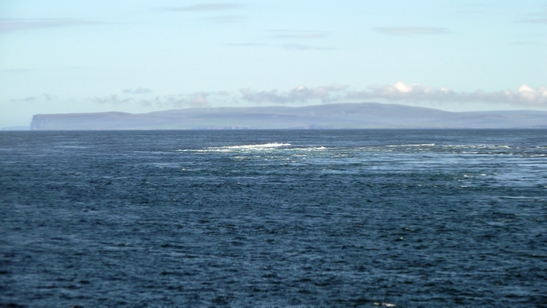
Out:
{"x": 337, "y": 218}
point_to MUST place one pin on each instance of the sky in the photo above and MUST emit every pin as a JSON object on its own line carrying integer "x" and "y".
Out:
{"x": 66, "y": 56}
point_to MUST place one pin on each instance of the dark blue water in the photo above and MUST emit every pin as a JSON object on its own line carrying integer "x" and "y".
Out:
{"x": 403, "y": 218}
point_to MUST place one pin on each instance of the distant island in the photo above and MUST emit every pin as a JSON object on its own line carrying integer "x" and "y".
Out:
{"x": 327, "y": 116}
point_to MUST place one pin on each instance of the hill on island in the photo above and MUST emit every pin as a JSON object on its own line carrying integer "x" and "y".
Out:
{"x": 327, "y": 116}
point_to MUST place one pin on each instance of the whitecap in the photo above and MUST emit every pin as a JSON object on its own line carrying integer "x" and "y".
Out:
{"x": 412, "y": 145}
{"x": 255, "y": 146}
{"x": 245, "y": 147}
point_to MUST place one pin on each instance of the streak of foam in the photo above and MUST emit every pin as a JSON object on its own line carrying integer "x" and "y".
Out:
{"x": 247, "y": 147}
{"x": 312, "y": 149}
{"x": 255, "y": 146}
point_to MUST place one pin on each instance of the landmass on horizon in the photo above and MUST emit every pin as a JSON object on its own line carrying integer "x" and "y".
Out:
{"x": 326, "y": 116}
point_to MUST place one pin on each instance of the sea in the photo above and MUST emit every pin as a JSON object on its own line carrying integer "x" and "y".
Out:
{"x": 279, "y": 218}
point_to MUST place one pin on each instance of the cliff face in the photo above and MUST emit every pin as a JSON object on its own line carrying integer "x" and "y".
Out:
{"x": 363, "y": 115}
{"x": 37, "y": 122}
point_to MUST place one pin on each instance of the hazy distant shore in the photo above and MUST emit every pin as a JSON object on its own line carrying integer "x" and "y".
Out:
{"x": 15, "y": 128}
{"x": 327, "y": 116}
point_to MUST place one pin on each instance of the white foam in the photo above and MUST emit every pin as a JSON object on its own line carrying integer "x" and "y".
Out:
{"x": 245, "y": 147}
{"x": 312, "y": 149}
{"x": 411, "y": 145}
{"x": 255, "y": 146}
{"x": 240, "y": 148}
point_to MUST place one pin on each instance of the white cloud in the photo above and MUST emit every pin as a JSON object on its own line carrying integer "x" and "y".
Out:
{"x": 198, "y": 99}
{"x": 298, "y": 94}
{"x": 525, "y": 95}
{"x": 195, "y": 100}
{"x": 401, "y": 87}
{"x": 533, "y": 96}
{"x": 399, "y": 92}
{"x": 112, "y": 99}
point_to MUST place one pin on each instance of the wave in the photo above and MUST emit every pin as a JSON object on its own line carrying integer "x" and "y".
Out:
{"x": 254, "y": 146}
{"x": 411, "y": 145}
{"x": 305, "y": 150}
{"x": 236, "y": 148}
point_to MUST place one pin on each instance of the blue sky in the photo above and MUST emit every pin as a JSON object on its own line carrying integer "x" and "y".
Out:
{"x": 140, "y": 56}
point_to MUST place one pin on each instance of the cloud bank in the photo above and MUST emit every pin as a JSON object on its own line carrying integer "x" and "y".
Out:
{"x": 399, "y": 92}
{"x": 112, "y": 99}
{"x": 524, "y": 96}
{"x": 299, "y": 94}
{"x": 195, "y": 100}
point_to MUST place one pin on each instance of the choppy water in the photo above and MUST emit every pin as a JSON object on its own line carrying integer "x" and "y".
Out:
{"x": 274, "y": 218}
